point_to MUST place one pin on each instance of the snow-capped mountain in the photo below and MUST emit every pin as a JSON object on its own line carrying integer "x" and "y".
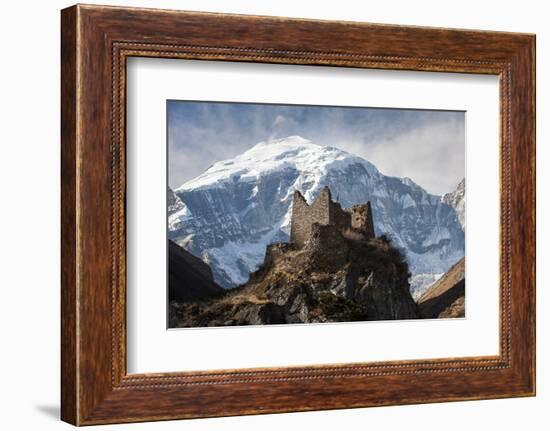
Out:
{"x": 228, "y": 214}
{"x": 457, "y": 200}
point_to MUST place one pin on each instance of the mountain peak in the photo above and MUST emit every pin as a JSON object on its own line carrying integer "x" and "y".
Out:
{"x": 289, "y": 140}
{"x": 274, "y": 147}
{"x": 266, "y": 157}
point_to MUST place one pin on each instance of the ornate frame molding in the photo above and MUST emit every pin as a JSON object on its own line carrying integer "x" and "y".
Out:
{"x": 96, "y": 41}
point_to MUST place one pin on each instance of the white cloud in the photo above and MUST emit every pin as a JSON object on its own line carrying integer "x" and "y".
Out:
{"x": 432, "y": 154}
{"x": 427, "y": 146}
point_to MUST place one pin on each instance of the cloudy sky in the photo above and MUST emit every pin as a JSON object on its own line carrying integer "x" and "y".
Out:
{"x": 427, "y": 146}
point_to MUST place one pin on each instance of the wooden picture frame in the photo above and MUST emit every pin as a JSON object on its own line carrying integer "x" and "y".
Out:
{"x": 95, "y": 43}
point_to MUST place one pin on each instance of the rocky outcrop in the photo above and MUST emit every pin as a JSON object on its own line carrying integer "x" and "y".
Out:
{"x": 446, "y": 297}
{"x": 349, "y": 281}
{"x": 189, "y": 278}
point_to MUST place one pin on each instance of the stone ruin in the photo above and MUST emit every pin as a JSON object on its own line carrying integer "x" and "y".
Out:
{"x": 353, "y": 223}
{"x": 320, "y": 232}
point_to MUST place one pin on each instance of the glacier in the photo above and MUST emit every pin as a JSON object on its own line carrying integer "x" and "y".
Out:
{"x": 228, "y": 214}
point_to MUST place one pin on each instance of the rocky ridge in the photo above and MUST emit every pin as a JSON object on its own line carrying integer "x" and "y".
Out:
{"x": 352, "y": 280}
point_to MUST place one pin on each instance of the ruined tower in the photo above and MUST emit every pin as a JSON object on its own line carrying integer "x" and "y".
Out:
{"x": 304, "y": 215}
{"x": 324, "y": 212}
{"x": 361, "y": 219}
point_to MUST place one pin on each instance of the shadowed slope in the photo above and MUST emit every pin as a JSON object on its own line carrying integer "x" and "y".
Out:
{"x": 189, "y": 278}
{"x": 445, "y": 298}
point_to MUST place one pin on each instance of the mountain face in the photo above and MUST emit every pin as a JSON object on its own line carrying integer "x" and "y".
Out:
{"x": 457, "y": 200}
{"x": 228, "y": 214}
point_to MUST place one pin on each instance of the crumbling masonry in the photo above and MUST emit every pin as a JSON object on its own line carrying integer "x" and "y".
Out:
{"x": 356, "y": 221}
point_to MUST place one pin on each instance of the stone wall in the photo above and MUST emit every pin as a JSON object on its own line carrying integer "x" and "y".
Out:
{"x": 304, "y": 215}
{"x": 327, "y": 248}
{"x": 324, "y": 211}
{"x": 339, "y": 217}
{"x": 275, "y": 251}
{"x": 361, "y": 219}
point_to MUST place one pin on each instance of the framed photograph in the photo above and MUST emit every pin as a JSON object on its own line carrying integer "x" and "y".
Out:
{"x": 263, "y": 214}
{"x": 284, "y": 231}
